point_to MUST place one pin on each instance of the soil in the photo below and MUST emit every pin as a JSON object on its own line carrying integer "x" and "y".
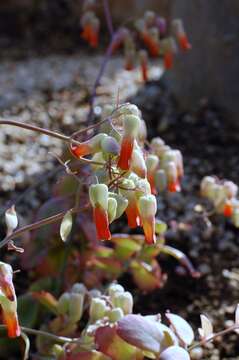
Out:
{"x": 209, "y": 146}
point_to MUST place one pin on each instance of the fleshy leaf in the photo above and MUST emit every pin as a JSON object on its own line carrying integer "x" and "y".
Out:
{"x": 174, "y": 353}
{"x": 108, "y": 342}
{"x": 141, "y": 332}
{"x": 47, "y": 299}
{"x": 181, "y": 327}
{"x": 66, "y": 226}
{"x": 146, "y": 276}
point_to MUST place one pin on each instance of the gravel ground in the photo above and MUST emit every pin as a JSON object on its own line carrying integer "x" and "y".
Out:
{"x": 208, "y": 145}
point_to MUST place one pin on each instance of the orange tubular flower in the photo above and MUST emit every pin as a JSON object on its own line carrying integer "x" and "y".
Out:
{"x": 173, "y": 179}
{"x": 151, "y": 44}
{"x": 99, "y": 199}
{"x": 131, "y": 126}
{"x": 147, "y": 209}
{"x": 228, "y": 209}
{"x": 168, "y": 60}
{"x": 132, "y": 212}
{"x": 152, "y": 162}
{"x": 144, "y": 64}
{"x": 184, "y": 42}
{"x": 90, "y": 146}
{"x": 8, "y": 300}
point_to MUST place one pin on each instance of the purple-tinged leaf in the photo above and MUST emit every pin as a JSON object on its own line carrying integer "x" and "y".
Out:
{"x": 181, "y": 328}
{"x": 174, "y": 353}
{"x": 141, "y": 332}
{"x": 109, "y": 343}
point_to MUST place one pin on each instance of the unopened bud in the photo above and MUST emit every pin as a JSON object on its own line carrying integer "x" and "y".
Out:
{"x": 150, "y": 18}
{"x": 98, "y": 309}
{"x": 124, "y": 301}
{"x": 127, "y": 109}
{"x": 99, "y": 195}
{"x": 115, "y": 314}
{"x": 11, "y": 219}
{"x": 160, "y": 180}
{"x": 114, "y": 289}
{"x": 235, "y": 218}
{"x": 110, "y": 146}
{"x": 76, "y": 304}
{"x": 171, "y": 171}
{"x": 79, "y": 288}
{"x": 230, "y": 189}
{"x": 122, "y": 204}
{"x": 63, "y": 303}
{"x": 142, "y": 134}
{"x": 206, "y": 185}
{"x": 152, "y": 162}
{"x": 112, "y": 209}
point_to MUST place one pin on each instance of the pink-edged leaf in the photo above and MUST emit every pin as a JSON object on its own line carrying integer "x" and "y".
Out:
{"x": 141, "y": 332}
{"x": 182, "y": 328}
{"x": 174, "y": 353}
{"x": 87, "y": 355}
{"x": 147, "y": 277}
{"x": 109, "y": 343}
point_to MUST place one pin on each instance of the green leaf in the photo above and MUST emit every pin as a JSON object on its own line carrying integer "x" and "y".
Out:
{"x": 160, "y": 227}
{"x": 66, "y": 226}
{"x": 148, "y": 277}
{"x": 28, "y": 310}
{"x": 125, "y": 248}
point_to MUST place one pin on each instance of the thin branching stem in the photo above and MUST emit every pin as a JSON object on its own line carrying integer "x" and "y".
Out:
{"x": 108, "y": 17}
{"x": 50, "y": 336}
{"x": 214, "y": 336}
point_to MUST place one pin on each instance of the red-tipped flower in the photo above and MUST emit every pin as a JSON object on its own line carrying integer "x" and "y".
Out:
{"x": 168, "y": 60}
{"x": 8, "y": 300}
{"x": 152, "y": 162}
{"x": 90, "y": 146}
{"x": 144, "y": 64}
{"x": 151, "y": 44}
{"x": 180, "y": 34}
{"x": 131, "y": 126}
{"x": 228, "y": 209}
{"x": 99, "y": 200}
{"x": 147, "y": 210}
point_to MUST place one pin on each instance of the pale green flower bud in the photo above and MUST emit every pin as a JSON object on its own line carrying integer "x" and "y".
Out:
{"x": 63, "y": 303}
{"x": 122, "y": 204}
{"x": 110, "y": 146}
{"x": 230, "y": 188}
{"x": 112, "y": 209}
{"x": 160, "y": 180}
{"x": 142, "y": 188}
{"x": 128, "y": 109}
{"x": 76, "y": 305}
{"x": 124, "y": 301}
{"x": 138, "y": 165}
{"x": 131, "y": 125}
{"x": 115, "y": 314}
{"x": 79, "y": 288}
{"x": 98, "y": 309}
{"x": 99, "y": 195}
{"x": 152, "y": 162}
{"x": 207, "y": 184}
{"x": 114, "y": 289}
{"x": 235, "y": 217}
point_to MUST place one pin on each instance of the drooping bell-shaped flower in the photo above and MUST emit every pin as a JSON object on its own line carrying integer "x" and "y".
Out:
{"x": 138, "y": 165}
{"x": 152, "y": 162}
{"x": 130, "y": 130}
{"x": 128, "y": 191}
{"x": 8, "y": 300}
{"x": 98, "y": 194}
{"x": 88, "y": 147}
{"x": 228, "y": 208}
{"x": 172, "y": 175}
{"x": 169, "y": 48}
{"x": 143, "y": 56}
{"x": 181, "y": 35}
{"x": 147, "y": 210}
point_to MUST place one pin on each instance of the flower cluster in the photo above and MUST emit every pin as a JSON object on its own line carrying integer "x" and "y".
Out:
{"x": 151, "y": 36}
{"x": 223, "y": 195}
{"x": 128, "y": 176}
